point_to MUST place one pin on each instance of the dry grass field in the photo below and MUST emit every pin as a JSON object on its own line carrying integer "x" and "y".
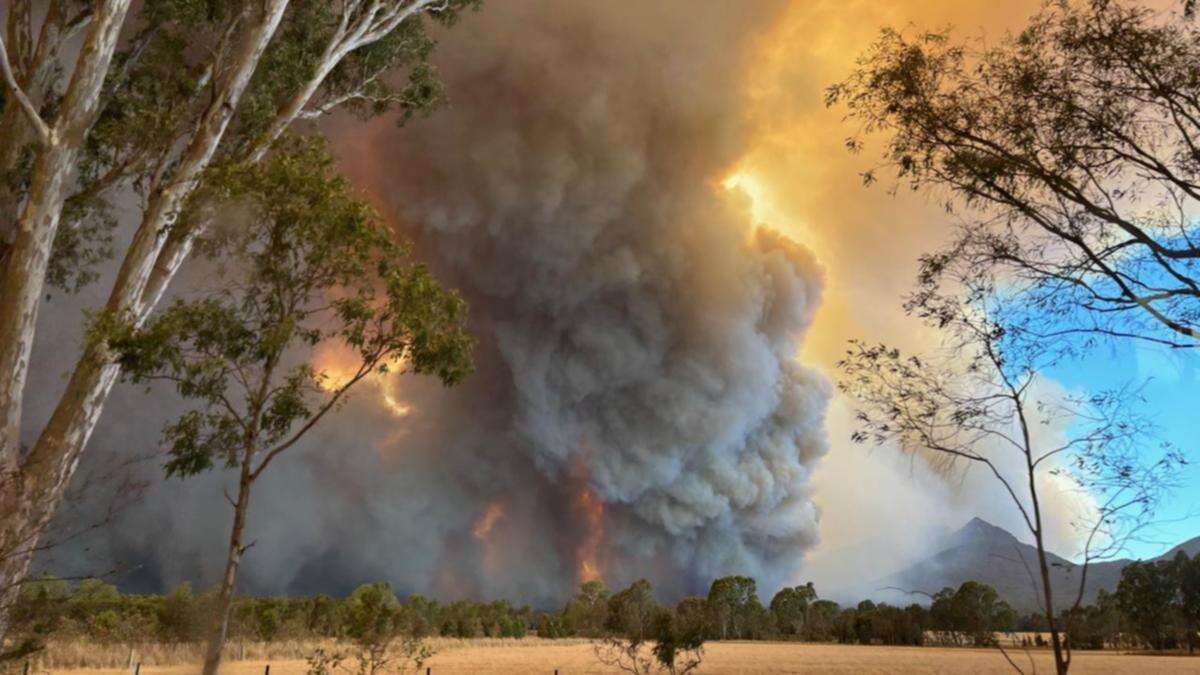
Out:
{"x": 530, "y": 656}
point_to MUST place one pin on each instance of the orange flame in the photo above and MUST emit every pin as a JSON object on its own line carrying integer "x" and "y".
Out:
{"x": 591, "y": 510}
{"x": 487, "y": 520}
{"x": 337, "y": 365}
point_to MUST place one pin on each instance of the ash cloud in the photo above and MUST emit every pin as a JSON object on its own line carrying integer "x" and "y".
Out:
{"x": 647, "y": 332}
{"x": 638, "y": 337}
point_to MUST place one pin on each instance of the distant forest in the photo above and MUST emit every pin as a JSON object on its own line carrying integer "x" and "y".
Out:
{"x": 1156, "y": 606}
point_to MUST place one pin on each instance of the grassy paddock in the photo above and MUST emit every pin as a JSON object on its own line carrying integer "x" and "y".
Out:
{"x": 532, "y": 655}
{"x": 85, "y": 656}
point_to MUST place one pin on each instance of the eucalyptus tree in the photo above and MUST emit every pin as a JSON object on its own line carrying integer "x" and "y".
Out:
{"x": 980, "y": 400}
{"x": 790, "y": 608}
{"x": 1070, "y": 149}
{"x": 318, "y": 269}
{"x": 157, "y": 99}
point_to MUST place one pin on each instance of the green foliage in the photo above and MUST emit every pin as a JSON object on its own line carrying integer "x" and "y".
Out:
{"x": 790, "y": 608}
{"x": 679, "y": 636}
{"x": 160, "y": 84}
{"x": 1093, "y": 626}
{"x": 152, "y": 96}
{"x": 372, "y": 625}
{"x": 380, "y": 629}
{"x": 1064, "y": 146}
{"x": 585, "y": 613}
{"x": 179, "y": 615}
{"x": 551, "y": 627}
{"x": 632, "y": 612}
{"x": 973, "y": 612}
{"x": 315, "y": 267}
{"x": 1147, "y": 596}
{"x": 266, "y": 623}
{"x": 372, "y": 614}
{"x": 1187, "y": 578}
{"x": 734, "y": 606}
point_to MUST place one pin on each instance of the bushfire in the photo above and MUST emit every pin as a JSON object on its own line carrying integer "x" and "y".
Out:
{"x": 591, "y": 511}
{"x": 487, "y": 520}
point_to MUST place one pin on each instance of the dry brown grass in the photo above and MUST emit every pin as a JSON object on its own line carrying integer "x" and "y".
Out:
{"x": 89, "y": 656}
{"x": 571, "y": 657}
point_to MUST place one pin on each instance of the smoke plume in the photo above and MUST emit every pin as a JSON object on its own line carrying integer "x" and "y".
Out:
{"x": 638, "y": 331}
{"x": 638, "y": 408}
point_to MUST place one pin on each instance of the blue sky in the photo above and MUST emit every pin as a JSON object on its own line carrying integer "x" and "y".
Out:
{"x": 1171, "y": 378}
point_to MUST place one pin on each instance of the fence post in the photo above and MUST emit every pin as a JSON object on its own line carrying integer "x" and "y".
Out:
{"x": 138, "y": 669}
{"x": 26, "y": 671}
{"x": 268, "y": 670}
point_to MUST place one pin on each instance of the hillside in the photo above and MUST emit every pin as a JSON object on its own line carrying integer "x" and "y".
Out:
{"x": 983, "y": 552}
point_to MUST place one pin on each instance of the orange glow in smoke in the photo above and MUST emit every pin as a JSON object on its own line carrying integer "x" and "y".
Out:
{"x": 336, "y": 366}
{"x": 591, "y": 509}
{"x": 487, "y": 520}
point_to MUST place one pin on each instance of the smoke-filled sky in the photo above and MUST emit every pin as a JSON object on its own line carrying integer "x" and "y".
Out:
{"x": 665, "y": 247}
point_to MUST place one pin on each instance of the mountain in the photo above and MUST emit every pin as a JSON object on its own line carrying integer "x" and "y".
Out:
{"x": 1191, "y": 547}
{"x": 983, "y": 552}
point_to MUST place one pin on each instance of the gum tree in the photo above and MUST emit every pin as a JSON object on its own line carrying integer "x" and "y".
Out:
{"x": 1071, "y": 151}
{"x": 317, "y": 269}
{"x": 172, "y": 89}
{"x": 979, "y": 401}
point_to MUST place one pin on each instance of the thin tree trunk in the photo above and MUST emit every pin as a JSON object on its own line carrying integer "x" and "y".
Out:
{"x": 1060, "y": 661}
{"x": 220, "y": 629}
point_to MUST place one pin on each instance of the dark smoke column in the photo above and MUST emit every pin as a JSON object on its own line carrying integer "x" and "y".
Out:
{"x": 639, "y": 335}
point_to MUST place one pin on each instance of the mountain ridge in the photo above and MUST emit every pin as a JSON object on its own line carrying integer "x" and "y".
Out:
{"x": 981, "y": 551}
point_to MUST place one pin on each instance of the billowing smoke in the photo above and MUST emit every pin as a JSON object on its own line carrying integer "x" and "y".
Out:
{"x": 645, "y": 333}
{"x": 638, "y": 409}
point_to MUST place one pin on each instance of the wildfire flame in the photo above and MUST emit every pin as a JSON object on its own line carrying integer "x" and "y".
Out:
{"x": 390, "y": 401}
{"x": 591, "y": 510}
{"x": 336, "y": 367}
{"x": 487, "y": 520}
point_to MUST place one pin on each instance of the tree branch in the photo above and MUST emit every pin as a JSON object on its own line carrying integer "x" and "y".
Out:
{"x": 44, "y": 133}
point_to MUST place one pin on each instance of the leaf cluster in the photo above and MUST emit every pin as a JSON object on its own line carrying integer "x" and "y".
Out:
{"x": 302, "y": 262}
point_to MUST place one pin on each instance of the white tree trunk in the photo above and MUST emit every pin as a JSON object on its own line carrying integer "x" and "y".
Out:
{"x": 152, "y": 260}
{"x": 41, "y": 478}
{"x": 23, "y": 279}
{"x": 24, "y": 274}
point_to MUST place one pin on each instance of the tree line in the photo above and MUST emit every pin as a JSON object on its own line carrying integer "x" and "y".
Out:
{"x": 1156, "y": 605}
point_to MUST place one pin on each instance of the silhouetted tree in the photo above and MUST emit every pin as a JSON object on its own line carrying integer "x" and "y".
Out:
{"x": 977, "y": 403}
{"x": 1071, "y": 149}
{"x": 679, "y": 636}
